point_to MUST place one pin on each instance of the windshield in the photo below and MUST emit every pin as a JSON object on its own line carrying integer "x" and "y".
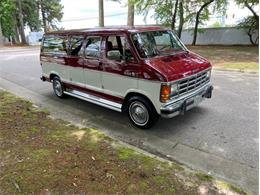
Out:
{"x": 154, "y": 43}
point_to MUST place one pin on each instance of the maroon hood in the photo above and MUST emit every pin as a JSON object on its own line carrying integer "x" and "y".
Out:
{"x": 178, "y": 66}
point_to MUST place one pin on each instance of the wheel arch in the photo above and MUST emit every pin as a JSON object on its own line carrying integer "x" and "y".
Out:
{"x": 132, "y": 94}
{"x": 53, "y": 74}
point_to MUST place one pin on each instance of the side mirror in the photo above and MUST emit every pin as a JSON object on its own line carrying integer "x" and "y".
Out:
{"x": 114, "y": 55}
{"x": 39, "y": 40}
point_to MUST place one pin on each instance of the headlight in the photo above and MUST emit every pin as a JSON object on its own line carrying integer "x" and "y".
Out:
{"x": 174, "y": 89}
{"x": 167, "y": 91}
{"x": 208, "y": 74}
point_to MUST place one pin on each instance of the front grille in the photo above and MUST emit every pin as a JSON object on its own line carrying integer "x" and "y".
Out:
{"x": 192, "y": 83}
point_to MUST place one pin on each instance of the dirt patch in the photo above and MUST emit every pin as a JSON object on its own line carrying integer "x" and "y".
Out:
{"x": 240, "y": 57}
{"x": 39, "y": 155}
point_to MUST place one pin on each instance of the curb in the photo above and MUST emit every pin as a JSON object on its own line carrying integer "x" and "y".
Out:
{"x": 237, "y": 70}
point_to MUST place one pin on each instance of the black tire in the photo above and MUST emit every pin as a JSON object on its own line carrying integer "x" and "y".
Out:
{"x": 141, "y": 112}
{"x": 58, "y": 87}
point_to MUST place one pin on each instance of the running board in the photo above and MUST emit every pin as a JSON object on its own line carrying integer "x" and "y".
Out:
{"x": 96, "y": 100}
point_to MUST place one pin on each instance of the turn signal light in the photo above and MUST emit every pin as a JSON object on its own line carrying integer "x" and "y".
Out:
{"x": 165, "y": 93}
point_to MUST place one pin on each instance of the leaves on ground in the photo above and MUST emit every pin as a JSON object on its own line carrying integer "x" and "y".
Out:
{"x": 39, "y": 155}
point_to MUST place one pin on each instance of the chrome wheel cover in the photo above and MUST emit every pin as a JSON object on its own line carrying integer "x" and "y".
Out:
{"x": 138, "y": 113}
{"x": 57, "y": 87}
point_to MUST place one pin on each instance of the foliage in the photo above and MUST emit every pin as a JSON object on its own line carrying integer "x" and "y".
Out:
{"x": 250, "y": 23}
{"x": 164, "y": 10}
{"x": 52, "y": 10}
{"x": 30, "y": 9}
{"x": 7, "y": 12}
{"x": 251, "y": 26}
{"x": 216, "y": 24}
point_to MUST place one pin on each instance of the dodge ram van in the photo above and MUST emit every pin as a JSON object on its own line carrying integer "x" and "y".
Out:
{"x": 145, "y": 72}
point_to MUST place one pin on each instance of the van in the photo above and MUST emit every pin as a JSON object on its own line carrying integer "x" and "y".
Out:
{"x": 145, "y": 72}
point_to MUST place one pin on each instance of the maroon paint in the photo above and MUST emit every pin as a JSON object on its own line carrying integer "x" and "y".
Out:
{"x": 178, "y": 66}
{"x": 95, "y": 93}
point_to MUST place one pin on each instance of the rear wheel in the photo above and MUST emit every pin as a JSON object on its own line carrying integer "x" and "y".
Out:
{"x": 58, "y": 87}
{"x": 141, "y": 112}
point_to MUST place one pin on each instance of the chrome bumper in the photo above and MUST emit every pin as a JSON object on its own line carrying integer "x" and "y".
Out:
{"x": 185, "y": 103}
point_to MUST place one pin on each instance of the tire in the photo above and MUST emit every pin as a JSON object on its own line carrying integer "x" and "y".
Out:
{"x": 141, "y": 112}
{"x": 58, "y": 87}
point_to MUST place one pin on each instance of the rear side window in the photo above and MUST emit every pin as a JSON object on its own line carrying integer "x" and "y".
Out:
{"x": 93, "y": 47}
{"x": 75, "y": 45}
{"x": 55, "y": 45}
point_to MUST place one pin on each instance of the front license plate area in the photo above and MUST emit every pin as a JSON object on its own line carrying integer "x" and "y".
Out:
{"x": 192, "y": 102}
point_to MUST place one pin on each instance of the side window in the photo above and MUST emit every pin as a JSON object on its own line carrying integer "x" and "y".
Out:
{"x": 55, "y": 45}
{"x": 93, "y": 47}
{"x": 117, "y": 48}
{"x": 75, "y": 45}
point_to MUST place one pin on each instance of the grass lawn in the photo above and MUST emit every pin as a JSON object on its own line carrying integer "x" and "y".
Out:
{"x": 39, "y": 155}
{"x": 234, "y": 57}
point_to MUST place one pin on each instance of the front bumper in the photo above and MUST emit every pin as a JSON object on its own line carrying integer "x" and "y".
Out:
{"x": 185, "y": 103}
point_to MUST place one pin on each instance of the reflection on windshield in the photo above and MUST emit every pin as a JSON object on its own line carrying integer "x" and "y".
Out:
{"x": 154, "y": 43}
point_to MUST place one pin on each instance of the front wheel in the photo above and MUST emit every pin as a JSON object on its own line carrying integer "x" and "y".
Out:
{"x": 141, "y": 112}
{"x": 58, "y": 87}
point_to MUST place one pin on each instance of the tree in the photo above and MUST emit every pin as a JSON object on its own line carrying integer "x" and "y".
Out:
{"x": 169, "y": 13}
{"x": 101, "y": 13}
{"x": 164, "y": 10}
{"x": 130, "y": 13}
{"x": 203, "y": 6}
{"x": 174, "y": 14}
{"x": 31, "y": 18}
{"x": 21, "y": 22}
{"x": 1, "y": 36}
{"x": 181, "y": 16}
{"x": 250, "y": 23}
{"x": 251, "y": 26}
{"x": 51, "y": 12}
{"x": 7, "y": 15}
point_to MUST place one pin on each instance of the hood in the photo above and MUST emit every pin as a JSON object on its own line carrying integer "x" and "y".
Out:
{"x": 178, "y": 66}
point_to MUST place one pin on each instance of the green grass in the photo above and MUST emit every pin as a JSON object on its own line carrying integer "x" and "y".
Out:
{"x": 226, "y": 186}
{"x": 204, "y": 177}
{"x": 230, "y": 57}
{"x": 126, "y": 153}
{"x": 241, "y": 66}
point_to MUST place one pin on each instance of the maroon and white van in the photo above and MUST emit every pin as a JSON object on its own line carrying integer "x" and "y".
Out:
{"x": 144, "y": 71}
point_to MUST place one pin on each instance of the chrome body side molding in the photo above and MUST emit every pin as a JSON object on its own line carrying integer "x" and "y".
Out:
{"x": 96, "y": 100}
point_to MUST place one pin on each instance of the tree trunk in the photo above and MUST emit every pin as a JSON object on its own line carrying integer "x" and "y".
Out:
{"x": 197, "y": 21}
{"x": 181, "y": 19}
{"x": 250, "y": 33}
{"x": 1, "y": 36}
{"x": 16, "y": 38}
{"x": 44, "y": 21}
{"x": 21, "y": 23}
{"x": 252, "y": 10}
{"x": 174, "y": 14}
{"x": 130, "y": 14}
{"x": 38, "y": 15}
{"x": 101, "y": 13}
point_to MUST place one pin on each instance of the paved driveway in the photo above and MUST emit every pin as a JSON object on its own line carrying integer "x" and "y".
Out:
{"x": 219, "y": 137}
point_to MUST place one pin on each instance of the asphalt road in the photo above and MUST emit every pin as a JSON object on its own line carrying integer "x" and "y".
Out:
{"x": 219, "y": 137}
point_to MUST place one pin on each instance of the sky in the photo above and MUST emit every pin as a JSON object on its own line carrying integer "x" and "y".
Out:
{"x": 84, "y": 14}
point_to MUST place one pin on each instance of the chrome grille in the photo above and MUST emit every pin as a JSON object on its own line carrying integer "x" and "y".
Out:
{"x": 192, "y": 83}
